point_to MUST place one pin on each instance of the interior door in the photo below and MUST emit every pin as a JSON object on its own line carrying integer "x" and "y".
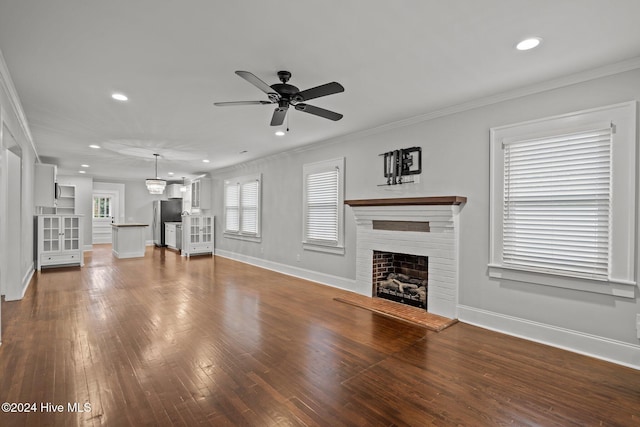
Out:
{"x": 105, "y": 208}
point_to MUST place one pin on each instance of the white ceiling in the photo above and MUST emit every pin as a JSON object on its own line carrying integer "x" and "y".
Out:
{"x": 173, "y": 59}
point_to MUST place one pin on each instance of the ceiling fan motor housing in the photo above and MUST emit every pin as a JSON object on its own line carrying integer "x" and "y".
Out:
{"x": 285, "y": 90}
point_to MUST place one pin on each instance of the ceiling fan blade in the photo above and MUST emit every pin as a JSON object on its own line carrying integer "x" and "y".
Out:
{"x": 251, "y": 78}
{"x": 318, "y": 91}
{"x": 232, "y": 103}
{"x": 317, "y": 111}
{"x": 278, "y": 116}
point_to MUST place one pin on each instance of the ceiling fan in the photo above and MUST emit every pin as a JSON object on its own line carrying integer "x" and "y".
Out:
{"x": 286, "y": 95}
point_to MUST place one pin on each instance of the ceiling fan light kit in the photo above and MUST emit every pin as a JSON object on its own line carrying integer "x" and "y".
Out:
{"x": 286, "y": 95}
{"x": 156, "y": 185}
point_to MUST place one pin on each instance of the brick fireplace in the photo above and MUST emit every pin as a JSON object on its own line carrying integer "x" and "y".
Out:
{"x": 402, "y": 278}
{"x": 423, "y": 227}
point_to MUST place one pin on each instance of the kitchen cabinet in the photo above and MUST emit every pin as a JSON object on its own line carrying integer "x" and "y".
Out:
{"x": 174, "y": 191}
{"x": 195, "y": 194}
{"x": 128, "y": 240}
{"x": 59, "y": 239}
{"x": 201, "y": 193}
{"x": 44, "y": 185}
{"x": 197, "y": 234}
{"x": 172, "y": 237}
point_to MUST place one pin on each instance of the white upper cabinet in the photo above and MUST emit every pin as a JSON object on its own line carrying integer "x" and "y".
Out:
{"x": 174, "y": 191}
{"x": 45, "y": 185}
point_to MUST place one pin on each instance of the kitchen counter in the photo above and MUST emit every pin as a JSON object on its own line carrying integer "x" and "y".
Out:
{"x": 128, "y": 240}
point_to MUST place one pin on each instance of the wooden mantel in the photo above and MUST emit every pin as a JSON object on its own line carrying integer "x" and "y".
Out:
{"x": 404, "y": 201}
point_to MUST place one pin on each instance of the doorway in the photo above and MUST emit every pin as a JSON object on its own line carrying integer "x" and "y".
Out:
{"x": 104, "y": 212}
{"x": 11, "y": 227}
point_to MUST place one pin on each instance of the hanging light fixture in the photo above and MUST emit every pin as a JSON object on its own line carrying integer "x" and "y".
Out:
{"x": 183, "y": 187}
{"x": 156, "y": 185}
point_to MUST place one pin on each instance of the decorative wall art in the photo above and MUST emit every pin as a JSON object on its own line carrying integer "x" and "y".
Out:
{"x": 401, "y": 165}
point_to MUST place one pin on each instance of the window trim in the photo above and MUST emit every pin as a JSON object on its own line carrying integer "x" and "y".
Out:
{"x": 319, "y": 167}
{"x": 242, "y": 235}
{"x": 621, "y": 280}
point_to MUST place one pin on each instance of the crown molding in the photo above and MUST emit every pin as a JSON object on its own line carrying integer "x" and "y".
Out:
{"x": 7, "y": 84}
{"x": 580, "y": 77}
{"x": 568, "y": 80}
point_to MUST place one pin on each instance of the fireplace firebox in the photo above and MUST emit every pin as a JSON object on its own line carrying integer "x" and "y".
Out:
{"x": 401, "y": 277}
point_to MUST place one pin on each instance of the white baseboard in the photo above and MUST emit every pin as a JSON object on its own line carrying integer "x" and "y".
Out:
{"x": 23, "y": 286}
{"x": 607, "y": 349}
{"x": 313, "y": 276}
{"x": 87, "y": 248}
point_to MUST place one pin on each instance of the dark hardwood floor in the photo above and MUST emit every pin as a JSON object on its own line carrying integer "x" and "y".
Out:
{"x": 162, "y": 340}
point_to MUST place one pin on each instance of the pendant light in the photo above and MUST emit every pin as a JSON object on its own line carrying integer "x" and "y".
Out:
{"x": 156, "y": 185}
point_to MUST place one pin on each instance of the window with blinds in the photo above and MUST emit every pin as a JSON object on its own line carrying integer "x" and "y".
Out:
{"x": 557, "y": 198}
{"x": 322, "y": 207}
{"x": 249, "y": 207}
{"x": 242, "y": 206}
{"x": 563, "y": 201}
{"x": 231, "y": 207}
{"x": 323, "y": 204}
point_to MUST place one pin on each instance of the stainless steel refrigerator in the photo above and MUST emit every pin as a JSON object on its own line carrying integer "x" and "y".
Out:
{"x": 164, "y": 211}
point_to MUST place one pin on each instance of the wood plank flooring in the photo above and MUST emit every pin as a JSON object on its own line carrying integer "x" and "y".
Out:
{"x": 162, "y": 340}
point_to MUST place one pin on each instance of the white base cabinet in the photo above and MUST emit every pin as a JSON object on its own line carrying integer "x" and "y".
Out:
{"x": 59, "y": 240}
{"x": 197, "y": 235}
{"x": 172, "y": 236}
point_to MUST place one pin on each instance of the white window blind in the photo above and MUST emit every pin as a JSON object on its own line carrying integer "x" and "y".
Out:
{"x": 249, "y": 207}
{"x": 557, "y": 198}
{"x": 322, "y": 206}
{"x": 232, "y": 205}
{"x": 242, "y": 207}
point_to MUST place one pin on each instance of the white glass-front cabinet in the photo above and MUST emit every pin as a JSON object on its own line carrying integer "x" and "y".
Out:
{"x": 59, "y": 240}
{"x": 197, "y": 235}
{"x": 201, "y": 193}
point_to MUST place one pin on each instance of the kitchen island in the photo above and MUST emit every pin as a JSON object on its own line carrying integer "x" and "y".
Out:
{"x": 128, "y": 240}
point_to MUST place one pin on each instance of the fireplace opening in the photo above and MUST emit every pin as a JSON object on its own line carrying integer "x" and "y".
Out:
{"x": 401, "y": 277}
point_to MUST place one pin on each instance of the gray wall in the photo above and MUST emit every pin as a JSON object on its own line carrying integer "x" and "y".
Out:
{"x": 456, "y": 162}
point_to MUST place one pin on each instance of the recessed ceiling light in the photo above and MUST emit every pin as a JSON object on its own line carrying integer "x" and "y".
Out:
{"x": 82, "y": 172}
{"x": 84, "y": 166}
{"x": 119, "y": 97}
{"x": 94, "y": 146}
{"x": 205, "y": 161}
{"x": 170, "y": 173}
{"x": 280, "y": 132}
{"x": 529, "y": 43}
